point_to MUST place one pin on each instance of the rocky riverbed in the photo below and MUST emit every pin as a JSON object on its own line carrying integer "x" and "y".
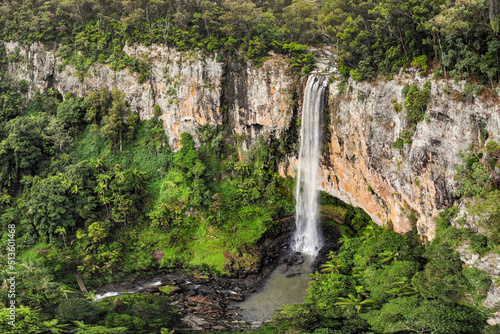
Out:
{"x": 207, "y": 303}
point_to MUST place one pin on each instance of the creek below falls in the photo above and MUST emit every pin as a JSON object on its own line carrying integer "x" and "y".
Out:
{"x": 209, "y": 303}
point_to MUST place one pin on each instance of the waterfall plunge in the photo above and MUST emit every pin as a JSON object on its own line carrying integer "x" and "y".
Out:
{"x": 307, "y": 237}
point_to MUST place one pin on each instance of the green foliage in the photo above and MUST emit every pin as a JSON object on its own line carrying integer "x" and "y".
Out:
{"x": 50, "y": 206}
{"x": 420, "y": 62}
{"x": 486, "y": 208}
{"x": 397, "y": 107}
{"x": 474, "y": 177}
{"x": 142, "y": 313}
{"x": 113, "y": 127}
{"x": 478, "y": 279}
{"x": 135, "y": 324}
{"x": 383, "y": 282}
{"x": 421, "y": 315}
{"x": 26, "y": 321}
{"x": 371, "y": 38}
{"x": 416, "y": 102}
{"x": 399, "y": 143}
{"x": 442, "y": 276}
{"x": 78, "y": 309}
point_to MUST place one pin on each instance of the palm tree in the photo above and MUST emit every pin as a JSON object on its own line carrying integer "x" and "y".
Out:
{"x": 388, "y": 256}
{"x": 368, "y": 232}
{"x": 315, "y": 276}
{"x": 358, "y": 302}
{"x": 332, "y": 266}
{"x": 54, "y": 327}
{"x": 403, "y": 287}
{"x": 61, "y": 231}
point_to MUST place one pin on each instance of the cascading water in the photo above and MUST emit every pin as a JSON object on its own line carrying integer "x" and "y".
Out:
{"x": 307, "y": 238}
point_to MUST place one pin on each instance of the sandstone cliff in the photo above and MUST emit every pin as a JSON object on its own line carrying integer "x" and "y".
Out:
{"x": 408, "y": 186}
{"x": 190, "y": 88}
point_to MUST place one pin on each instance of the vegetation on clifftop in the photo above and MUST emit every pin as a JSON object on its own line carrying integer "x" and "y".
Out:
{"x": 458, "y": 38}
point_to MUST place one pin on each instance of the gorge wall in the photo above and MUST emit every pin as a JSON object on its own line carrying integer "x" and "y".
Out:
{"x": 403, "y": 187}
{"x": 190, "y": 88}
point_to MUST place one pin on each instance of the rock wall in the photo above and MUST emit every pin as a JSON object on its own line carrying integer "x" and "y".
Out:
{"x": 403, "y": 187}
{"x": 190, "y": 88}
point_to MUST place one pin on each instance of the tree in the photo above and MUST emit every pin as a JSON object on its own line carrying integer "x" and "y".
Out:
{"x": 358, "y": 300}
{"x": 98, "y": 103}
{"x": 411, "y": 314}
{"x": 50, "y": 207}
{"x": 71, "y": 113}
{"x": 23, "y": 149}
{"x": 442, "y": 276}
{"x": 485, "y": 207}
{"x": 240, "y": 17}
{"x": 113, "y": 127}
{"x": 302, "y": 21}
{"x": 56, "y": 133}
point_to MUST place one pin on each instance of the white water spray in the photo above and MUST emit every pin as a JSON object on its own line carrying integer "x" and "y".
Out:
{"x": 307, "y": 237}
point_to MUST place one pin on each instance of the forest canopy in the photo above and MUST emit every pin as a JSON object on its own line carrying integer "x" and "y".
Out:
{"x": 460, "y": 37}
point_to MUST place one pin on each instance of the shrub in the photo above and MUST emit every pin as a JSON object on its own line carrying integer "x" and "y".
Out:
{"x": 398, "y": 143}
{"x": 78, "y": 309}
{"x": 420, "y": 62}
{"x": 416, "y": 103}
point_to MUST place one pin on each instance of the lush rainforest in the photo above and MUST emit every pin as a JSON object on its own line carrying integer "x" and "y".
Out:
{"x": 458, "y": 38}
{"x": 87, "y": 187}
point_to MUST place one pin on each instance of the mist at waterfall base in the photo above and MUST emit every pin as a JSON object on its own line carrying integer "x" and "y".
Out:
{"x": 307, "y": 238}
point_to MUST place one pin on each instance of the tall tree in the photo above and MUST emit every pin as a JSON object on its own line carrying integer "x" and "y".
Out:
{"x": 113, "y": 126}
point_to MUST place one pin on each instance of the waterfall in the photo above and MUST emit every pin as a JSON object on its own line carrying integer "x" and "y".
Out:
{"x": 307, "y": 238}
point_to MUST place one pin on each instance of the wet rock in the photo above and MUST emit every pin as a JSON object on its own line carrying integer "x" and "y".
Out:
{"x": 292, "y": 274}
{"x": 219, "y": 328}
{"x": 204, "y": 292}
{"x": 195, "y": 322}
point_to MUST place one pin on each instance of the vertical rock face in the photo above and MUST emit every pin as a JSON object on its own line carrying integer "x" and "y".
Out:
{"x": 190, "y": 88}
{"x": 403, "y": 187}
{"x": 259, "y": 99}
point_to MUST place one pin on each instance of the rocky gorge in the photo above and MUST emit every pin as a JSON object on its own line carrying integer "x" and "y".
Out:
{"x": 402, "y": 187}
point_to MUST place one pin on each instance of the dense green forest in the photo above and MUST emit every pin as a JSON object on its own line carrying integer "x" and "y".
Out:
{"x": 89, "y": 193}
{"x": 85, "y": 191}
{"x": 458, "y": 38}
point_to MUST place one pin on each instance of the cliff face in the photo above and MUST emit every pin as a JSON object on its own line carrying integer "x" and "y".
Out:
{"x": 402, "y": 187}
{"x": 407, "y": 186}
{"x": 190, "y": 88}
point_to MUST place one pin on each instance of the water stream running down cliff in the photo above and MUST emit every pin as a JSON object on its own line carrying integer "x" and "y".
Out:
{"x": 307, "y": 238}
